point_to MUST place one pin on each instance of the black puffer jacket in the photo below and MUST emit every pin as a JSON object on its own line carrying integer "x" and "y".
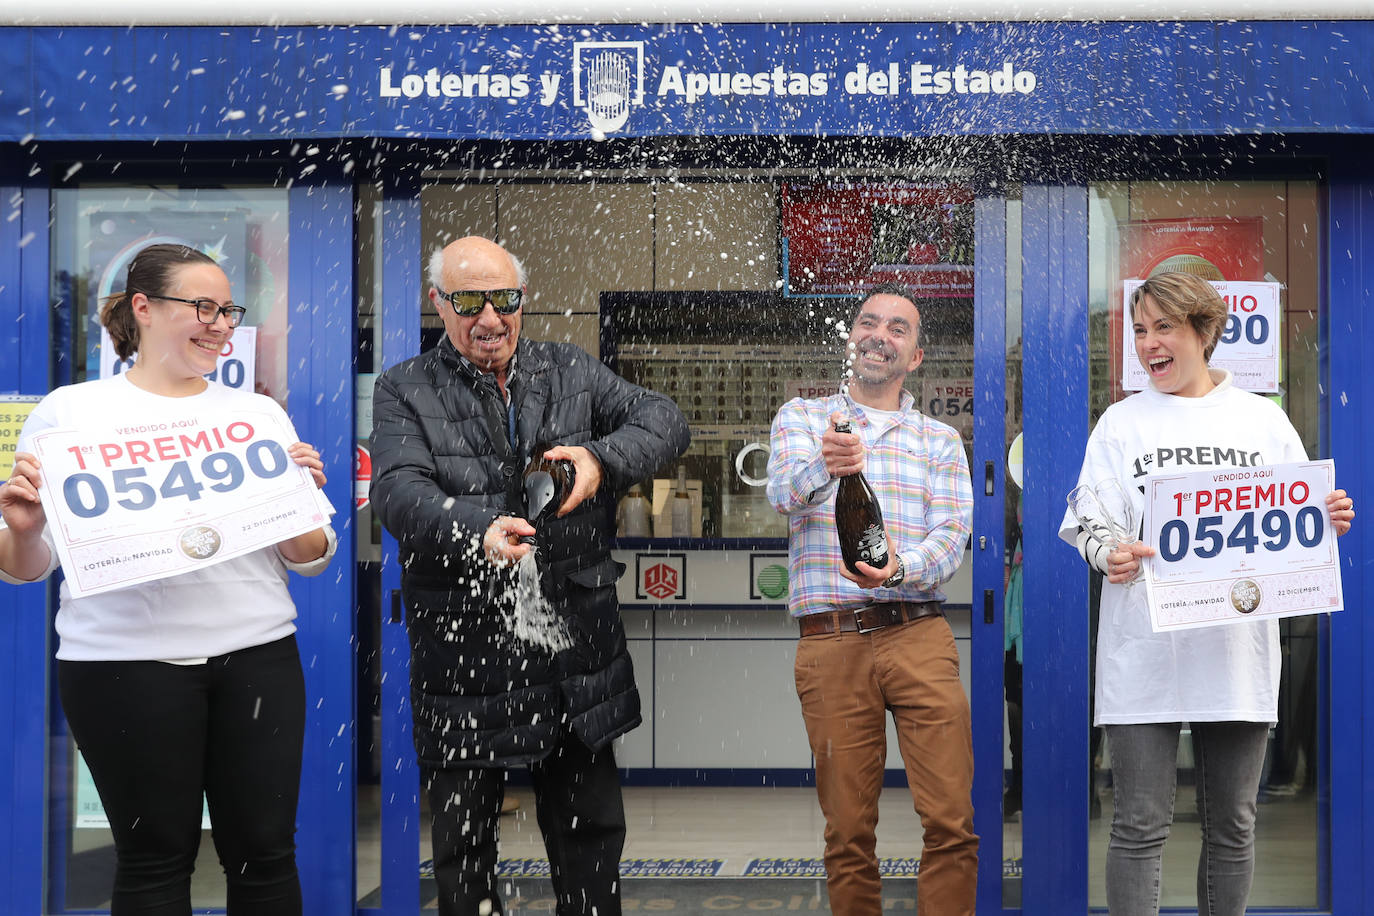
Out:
{"x": 443, "y": 471}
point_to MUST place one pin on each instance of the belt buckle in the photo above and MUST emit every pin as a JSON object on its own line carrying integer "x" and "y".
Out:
{"x": 859, "y": 620}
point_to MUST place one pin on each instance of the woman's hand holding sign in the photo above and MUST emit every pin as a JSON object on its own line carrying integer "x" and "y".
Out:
{"x": 1341, "y": 509}
{"x": 19, "y": 502}
{"x": 22, "y": 552}
{"x": 304, "y": 454}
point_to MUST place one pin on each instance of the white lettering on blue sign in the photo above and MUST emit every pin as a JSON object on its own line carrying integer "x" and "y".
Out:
{"x": 694, "y": 84}
{"x": 926, "y": 80}
{"x": 435, "y": 84}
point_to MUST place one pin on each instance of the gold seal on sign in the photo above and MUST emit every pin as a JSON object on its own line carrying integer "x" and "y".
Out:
{"x": 200, "y": 542}
{"x": 1246, "y": 595}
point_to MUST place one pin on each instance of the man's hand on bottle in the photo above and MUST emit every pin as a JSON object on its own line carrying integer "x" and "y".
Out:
{"x": 843, "y": 452}
{"x": 588, "y": 474}
{"x": 872, "y": 576}
{"x": 503, "y": 544}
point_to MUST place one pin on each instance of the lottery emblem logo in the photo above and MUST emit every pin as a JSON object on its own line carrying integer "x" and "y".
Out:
{"x": 1246, "y": 596}
{"x": 200, "y": 542}
{"x": 608, "y": 80}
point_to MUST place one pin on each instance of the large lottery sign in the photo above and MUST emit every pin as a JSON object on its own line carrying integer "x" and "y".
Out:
{"x": 160, "y": 497}
{"x": 1240, "y": 544}
{"x": 1249, "y": 344}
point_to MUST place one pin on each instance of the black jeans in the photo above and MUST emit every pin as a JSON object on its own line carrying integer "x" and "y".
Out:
{"x": 157, "y": 736}
{"x": 581, "y": 816}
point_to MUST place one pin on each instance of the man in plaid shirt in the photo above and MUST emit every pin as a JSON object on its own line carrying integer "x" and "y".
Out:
{"x": 879, "y": 640}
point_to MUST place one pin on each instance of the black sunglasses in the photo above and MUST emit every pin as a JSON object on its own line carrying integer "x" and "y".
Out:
{"x": 208, "y": 310}
{"x": 470, "y": 302}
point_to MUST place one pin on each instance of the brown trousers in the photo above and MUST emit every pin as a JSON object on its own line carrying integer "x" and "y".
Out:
{"x": 846, "y": 683}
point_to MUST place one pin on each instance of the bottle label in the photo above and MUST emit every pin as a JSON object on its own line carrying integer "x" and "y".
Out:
{"x": 873, "y": 544}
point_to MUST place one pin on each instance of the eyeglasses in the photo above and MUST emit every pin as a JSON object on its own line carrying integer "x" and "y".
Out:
{"x": 208, "y": 310}
{"x": 470, "y": 302}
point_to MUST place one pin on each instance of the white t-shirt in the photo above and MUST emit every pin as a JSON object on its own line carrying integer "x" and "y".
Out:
{"x": 206, "y": 612}
{"x": 1214, "y": 674}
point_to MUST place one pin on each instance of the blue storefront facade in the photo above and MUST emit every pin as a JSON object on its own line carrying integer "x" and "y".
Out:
{"x": 322, "y": 151}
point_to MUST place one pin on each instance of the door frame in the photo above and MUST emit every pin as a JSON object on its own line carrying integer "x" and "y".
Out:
{"x": 988, "y": 548}
{"x": 400, "y": 307}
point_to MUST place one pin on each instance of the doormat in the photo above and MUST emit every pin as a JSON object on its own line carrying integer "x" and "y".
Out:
{"x": 677, "y": 867}
{"x": 694, "y": 896}
{"x": 529, "y": 893}
{"x": 672, "y": 867}
{"x": 815, "y": 868}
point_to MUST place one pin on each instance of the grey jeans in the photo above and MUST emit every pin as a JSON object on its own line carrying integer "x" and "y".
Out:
{"x": 1228, "y": 757}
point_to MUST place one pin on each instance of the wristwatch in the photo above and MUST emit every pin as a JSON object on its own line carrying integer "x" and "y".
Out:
{"x": 898, "y": 577}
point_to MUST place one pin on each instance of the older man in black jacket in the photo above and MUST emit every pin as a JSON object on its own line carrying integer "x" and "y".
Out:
{"x": 453, "y": 429}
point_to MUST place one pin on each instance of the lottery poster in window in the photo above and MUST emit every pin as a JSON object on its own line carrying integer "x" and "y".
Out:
{"x": 162, "y": 495}
{"x": 1240, "y": 544}
{"x": 1249, "y": 344}
{"x": 840, "y": 238}
{"x": 14, "y": 410}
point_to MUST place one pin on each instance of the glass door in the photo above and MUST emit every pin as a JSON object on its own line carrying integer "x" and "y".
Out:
{"x": 96, "y": 232}
{"x": 1258, "y": 237}
{"x": 278, "y": 247}
{"x": 970, "y": 379}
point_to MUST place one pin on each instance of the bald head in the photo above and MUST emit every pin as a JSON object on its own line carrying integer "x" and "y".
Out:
{"x": 487, "y": 339}
{"x": 475, "y": 263}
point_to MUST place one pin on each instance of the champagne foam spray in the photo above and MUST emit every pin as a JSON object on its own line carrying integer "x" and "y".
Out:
{"x": 532, "y": 620}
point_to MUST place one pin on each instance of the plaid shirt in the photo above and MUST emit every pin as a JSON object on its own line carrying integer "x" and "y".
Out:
{"x": 917, "y": 468}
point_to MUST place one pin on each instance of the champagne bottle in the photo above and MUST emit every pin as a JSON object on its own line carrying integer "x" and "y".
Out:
{"x": 859, "y": 521}
{"x": 547, "y": 485}
{"x": 681, "y": 518}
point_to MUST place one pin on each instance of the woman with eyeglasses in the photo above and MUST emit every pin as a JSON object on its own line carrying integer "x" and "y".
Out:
{"x": 191, "y": 685}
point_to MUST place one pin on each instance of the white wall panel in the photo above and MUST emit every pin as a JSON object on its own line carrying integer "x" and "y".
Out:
{"x": 724, "y": 703}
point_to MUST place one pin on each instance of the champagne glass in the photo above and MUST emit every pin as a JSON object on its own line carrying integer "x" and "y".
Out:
{"x": 1122, "y": 514}
{"x": 1106, "y": 511}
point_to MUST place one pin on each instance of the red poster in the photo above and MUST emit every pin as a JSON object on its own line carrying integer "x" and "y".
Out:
{"x": 1214, "y": 249}
{"x": 843, "y": 238}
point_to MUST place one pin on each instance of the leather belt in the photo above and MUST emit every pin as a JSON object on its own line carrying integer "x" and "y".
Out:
{"x": 867, "y": 619}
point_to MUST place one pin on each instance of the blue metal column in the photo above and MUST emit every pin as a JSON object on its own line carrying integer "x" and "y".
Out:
{"x": 401, "y": 826}
{"x": 1055, "y": 673}
{"x": 1350, "y": 408}
{"x": 989, "y": 474}
{"x": 25, "y": 368}
{"x": 321, "y": 347}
